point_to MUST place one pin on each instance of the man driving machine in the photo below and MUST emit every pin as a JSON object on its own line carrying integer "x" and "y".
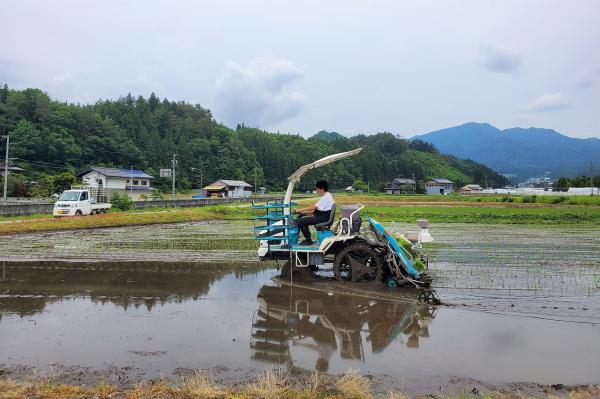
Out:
{"x": 316, "y": 213}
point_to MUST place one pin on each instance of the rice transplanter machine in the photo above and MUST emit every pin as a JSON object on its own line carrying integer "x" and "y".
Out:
{"x": 353, "y": 252}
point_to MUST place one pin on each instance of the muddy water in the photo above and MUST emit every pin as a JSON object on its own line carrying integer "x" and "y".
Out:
{"x": 127, "y": 321}
{"x": 131, "y": 303}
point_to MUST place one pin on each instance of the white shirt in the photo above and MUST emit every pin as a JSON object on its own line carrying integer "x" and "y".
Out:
{"x": 325, "y": 203}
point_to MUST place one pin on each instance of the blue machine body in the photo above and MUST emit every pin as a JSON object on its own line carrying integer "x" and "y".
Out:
{"x": 323, "y": 234}
{"x": 406, "y": 262}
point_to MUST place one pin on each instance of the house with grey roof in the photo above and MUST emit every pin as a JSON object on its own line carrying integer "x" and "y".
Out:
{"x": 134, "y": 182}
{"x": 228, "y": 189}
{"x": 439, "y": 186}
{"x": 400, "y": 185}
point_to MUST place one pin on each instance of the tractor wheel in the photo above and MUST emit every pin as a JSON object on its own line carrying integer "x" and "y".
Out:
{"x": 358, "y": 262}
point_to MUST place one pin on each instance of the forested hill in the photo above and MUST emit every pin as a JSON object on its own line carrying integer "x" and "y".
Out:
{"x": 50, "y": 137}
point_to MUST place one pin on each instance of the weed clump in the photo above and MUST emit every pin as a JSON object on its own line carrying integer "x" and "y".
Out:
{"x": 203, "y": 386}
{"x": 353, "y": 385}
{"x": 270, "y": 385}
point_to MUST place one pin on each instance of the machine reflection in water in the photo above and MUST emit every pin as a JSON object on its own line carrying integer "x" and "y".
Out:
{"x": 295, "y": 318}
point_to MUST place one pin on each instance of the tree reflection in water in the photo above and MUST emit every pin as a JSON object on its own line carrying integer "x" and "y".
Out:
{"x": 28, "y": 287}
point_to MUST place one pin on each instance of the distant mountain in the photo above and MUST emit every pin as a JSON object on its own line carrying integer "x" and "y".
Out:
{"x": 525, "y": 152}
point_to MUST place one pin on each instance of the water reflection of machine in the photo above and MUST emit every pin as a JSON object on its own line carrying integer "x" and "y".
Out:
{"x": 296, "y": 319}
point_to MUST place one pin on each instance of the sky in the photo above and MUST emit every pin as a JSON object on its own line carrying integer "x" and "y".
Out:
{"x": 406, "y": 67}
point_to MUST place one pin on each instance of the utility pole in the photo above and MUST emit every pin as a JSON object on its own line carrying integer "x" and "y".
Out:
{"x": 173, "y": 164}
{"x": 6, "y": 167}
{"x": 414, "y": 184}
{"x": 368, "y": 187}
{"x": 131, "y": 180}
{"x": 255, "y": 191}
{"x": 591, "y": 178}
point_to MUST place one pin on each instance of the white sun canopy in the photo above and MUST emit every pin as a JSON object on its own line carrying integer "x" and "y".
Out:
{"x": 295, "y": 177}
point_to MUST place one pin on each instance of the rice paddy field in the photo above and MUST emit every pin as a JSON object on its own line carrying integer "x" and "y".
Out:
{"x": 437, "y": 209}
{"x": 102, "y": 306}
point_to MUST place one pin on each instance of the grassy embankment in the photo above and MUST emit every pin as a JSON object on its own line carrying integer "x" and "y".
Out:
{"x": 437, "y": 209}
{"x": 270, "y": 385}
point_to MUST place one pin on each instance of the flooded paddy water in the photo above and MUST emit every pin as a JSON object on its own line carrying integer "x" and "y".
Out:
{"x": 127, "y": 304}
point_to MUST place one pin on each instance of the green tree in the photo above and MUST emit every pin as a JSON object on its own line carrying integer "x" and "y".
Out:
{"x": 358, "y": 184}
{"x": 562, "y": 184}
{"x": 4, "y": 93}
{"x": 26, "y": 141}
{"x": 61, "y": 182}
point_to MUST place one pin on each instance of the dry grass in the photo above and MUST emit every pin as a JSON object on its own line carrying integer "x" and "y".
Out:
{"x": 353, "y": 385}
{"x": 396, "y": 395}
{"x": 201, "y": 385}
{"x": 271, "y": 384}
{"x": 313, "y": 385}
{"x": 10, "y": 389}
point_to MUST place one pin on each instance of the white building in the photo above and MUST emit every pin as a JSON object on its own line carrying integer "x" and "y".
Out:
{"x": 228, "y": 189}
{"x": 471, "y": 189}
{"x": 583, "y": 191}
{"x": 131, "y": 181}
{"x": 439, "y": 186}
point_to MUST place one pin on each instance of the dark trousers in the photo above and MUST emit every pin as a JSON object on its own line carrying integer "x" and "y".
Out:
{"x": 306, "y": 221}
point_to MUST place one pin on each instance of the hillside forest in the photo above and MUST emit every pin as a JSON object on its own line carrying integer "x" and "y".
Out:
{"x": 53, "y": 140}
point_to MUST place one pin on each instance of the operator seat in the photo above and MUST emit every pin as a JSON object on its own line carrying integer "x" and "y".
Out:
{"x": 327, "y": 224}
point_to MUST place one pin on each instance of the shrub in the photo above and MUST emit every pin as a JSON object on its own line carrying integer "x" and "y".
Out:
{"x": 121, "y": 202}
{"x": 529, "y": 199}
{"x": 156, "y": 195}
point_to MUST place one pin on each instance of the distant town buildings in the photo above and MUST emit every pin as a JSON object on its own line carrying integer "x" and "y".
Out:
{"x": 583, "y": 191}
{"x": 471, "y": 189}
{"x": 537, "y": 182}
{"x": 439, "y": 186}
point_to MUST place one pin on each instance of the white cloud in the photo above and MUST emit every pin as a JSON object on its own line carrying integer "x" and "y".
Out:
{"x": 259, "y": 93}
{"x": 549, "y": 102}
{"x": 501, "y": 59}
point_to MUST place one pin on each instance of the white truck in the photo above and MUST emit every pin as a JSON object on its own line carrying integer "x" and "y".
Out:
{"x": 80, "y": 201}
